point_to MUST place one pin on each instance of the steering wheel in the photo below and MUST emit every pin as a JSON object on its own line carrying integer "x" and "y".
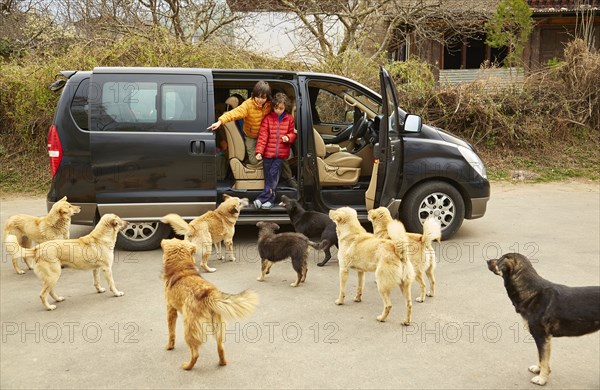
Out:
{"x": 359, "y": 129}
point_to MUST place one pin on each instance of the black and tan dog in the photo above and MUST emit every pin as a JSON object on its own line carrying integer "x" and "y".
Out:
{"x": 312, "y": 224}
{"x": 550, "y": 309}
{"x": 276, "y": 247}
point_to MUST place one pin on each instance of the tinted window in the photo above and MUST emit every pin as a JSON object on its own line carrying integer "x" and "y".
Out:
{"x": 178, "y": 102}
{"x": 127, "y": 102}
{"x": 79, "y": 105}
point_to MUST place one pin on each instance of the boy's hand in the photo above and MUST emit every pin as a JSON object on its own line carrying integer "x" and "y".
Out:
{"x": 258, "y": 156}
{"x": 285, "y": 138}
{"x": 214, "y": 126}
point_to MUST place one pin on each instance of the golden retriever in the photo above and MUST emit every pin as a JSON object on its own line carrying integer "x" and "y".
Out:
{"x": 94, "y": 252}
{"x": 364, "y": 252}
{"x": 420, "y": 249}
{"x": 28, "y": 229}
{"x": 210, "y": 228}
{"x": 204, "y": 308}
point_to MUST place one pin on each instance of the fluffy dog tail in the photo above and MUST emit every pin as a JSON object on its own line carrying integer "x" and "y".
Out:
{"x": 397, "y": 233}
{"x": 432, "y": 230}
{"x": 15, "y": 250}
{"x": 233, "y": 306}
{"x": 177, "y": 223}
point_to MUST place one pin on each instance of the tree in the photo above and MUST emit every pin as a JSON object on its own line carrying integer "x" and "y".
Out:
{"x": 510, "y": 26}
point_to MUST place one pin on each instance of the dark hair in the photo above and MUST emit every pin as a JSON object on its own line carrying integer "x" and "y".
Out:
{"x": 279, "y": 98}
{"x": 262, "y": 88}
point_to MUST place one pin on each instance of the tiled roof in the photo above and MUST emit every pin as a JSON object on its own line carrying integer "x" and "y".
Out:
{"x": 561, "y": 5}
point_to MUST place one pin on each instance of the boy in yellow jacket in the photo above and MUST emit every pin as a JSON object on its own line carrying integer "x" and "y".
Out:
{"x": 252, "y": 111}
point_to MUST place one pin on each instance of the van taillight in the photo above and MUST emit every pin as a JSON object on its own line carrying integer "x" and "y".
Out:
{"x": 54, "y": 150}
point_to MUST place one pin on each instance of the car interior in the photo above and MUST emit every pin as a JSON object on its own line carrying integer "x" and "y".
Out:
{"x": 345, "y": 130}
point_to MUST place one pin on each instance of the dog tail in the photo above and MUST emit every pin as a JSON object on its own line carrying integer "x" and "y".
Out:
{"x": 432, "y": 230}
{"x": 15, "y": 250}
{"x": 397, "y": 233}
{"x": 233, "y": 306}
{"x": 319, "y": 245}
{"x": 177, "y": 223}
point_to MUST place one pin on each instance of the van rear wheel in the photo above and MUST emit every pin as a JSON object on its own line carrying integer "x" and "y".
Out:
{"x": 437, "y": 200}
{"x": 142, "y": 236}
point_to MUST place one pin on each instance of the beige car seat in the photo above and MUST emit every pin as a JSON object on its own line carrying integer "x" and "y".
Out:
{"x": 247, "y": 176}
{"x": 338, "y": 168}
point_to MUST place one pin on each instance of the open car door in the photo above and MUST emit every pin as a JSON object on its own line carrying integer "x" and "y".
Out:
{"x": 390, "y": 151}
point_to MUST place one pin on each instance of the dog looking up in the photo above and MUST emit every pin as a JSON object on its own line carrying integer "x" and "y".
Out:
{"x": 94, "y": 252}
{"x": 420, "y": 249}
{"x": 204, "y": 308}
{"x": 276, "y": 247}
{"x": 364, "y": 252}
{"x": 550, "y": 309}
{"x": 211, "y": 228}
{"x": 28, "y": 229}
{"x": 312, "y": 224}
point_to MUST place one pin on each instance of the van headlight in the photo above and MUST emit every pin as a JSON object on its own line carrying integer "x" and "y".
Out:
{"x": 473, "y": 159}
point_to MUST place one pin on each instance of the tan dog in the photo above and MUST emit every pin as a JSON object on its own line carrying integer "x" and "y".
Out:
{"x": 364, "y": 252}
{"x": 94, "y": 252}
{"x": 205, "y": 309}
{"x": 210, "y": 228}
{"x": 420, "y": 249}
{"x": 28, "y": 229}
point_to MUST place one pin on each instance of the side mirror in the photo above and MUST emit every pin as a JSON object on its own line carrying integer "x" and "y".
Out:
{"x": 413, "y": 123}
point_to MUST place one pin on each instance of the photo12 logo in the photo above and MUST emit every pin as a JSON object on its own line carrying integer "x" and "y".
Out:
{"x": 69, "y": 332}
{"x": 271, "y": 332}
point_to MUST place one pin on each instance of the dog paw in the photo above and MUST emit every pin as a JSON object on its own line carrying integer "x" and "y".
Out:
{"x": 380, "y": 319}
{"x": 260, "y": 279}
{"x": 170, "y": 346}
{"x": 101, "y": 290}
{"x": 357, "y": 299}
{"x": 21, "y": 272}
{"x": 539, "y": 380}
{"x": 339, "y": 302}
{"x": 119, "y": 294}
{"x": 230, "y": 259}
{"x": 534, "y": 369}
{"x": 429, "y": 294}
{"x": 60, "y": 299}
{"x": 51, "y": 307}
{"x": 405, "y": 323}
{"x": 294, "y": 284}
{"x": 321, "y": 263}
{"x": 210, "y": 269}
{"x": 187, "y": 366}
{"x": 223, "y": 363}
{"x": 419, "y": 299}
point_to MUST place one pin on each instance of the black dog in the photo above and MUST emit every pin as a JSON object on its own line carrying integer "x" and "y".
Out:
{"x": 312, "y": 224}
{"x": 550, "y": 309}
{"x": 276, "y": 247}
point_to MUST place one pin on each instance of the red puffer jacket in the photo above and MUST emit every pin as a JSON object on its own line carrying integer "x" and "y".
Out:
{"x": 272, "y": 129}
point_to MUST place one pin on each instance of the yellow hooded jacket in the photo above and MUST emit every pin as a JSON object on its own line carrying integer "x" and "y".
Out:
{"x": 251, "y": 113}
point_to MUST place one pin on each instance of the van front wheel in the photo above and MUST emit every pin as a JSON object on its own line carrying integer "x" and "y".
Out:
{"x": 142, "y": 236}
{"x": 437, "y": 200}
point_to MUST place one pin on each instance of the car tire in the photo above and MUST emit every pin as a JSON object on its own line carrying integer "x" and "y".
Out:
{"x": 436, "y": 199}
{"x": 142, "y": 236}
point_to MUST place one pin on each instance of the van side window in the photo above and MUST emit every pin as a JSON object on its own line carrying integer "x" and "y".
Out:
{"x": 127, "y": 102}
{"x": 79, "y": 105}
{"x": 178, "y": 102}
{"x": 331, "y": 108}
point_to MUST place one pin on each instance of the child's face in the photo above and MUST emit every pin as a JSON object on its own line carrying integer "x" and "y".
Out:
{"x": 279, "y": 109}
{"x": 260, "y": 100}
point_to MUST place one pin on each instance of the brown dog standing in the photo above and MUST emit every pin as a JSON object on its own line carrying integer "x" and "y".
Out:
{"x": 204, "y": 308}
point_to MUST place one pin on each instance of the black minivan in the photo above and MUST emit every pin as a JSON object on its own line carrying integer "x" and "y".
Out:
{"x": 134, "y": 142}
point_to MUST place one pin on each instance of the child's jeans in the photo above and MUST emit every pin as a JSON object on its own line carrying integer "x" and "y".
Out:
{"x": 272, "y": 170}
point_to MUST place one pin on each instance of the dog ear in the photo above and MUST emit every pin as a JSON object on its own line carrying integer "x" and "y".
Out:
{"x": 233, "y": 210}
{"x": 64, "y": 198}
{"x": 493, "y": 266}
{"x": 225, "y": 196}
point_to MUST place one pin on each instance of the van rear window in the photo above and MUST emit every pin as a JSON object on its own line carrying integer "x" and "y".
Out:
{"x": 79, "y": 105}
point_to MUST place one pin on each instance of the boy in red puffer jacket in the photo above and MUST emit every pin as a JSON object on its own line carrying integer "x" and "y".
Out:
{"x": 275, "y": 138}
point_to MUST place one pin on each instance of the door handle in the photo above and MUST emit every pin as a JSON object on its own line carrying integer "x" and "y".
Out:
{"x": 197, "y": 147}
